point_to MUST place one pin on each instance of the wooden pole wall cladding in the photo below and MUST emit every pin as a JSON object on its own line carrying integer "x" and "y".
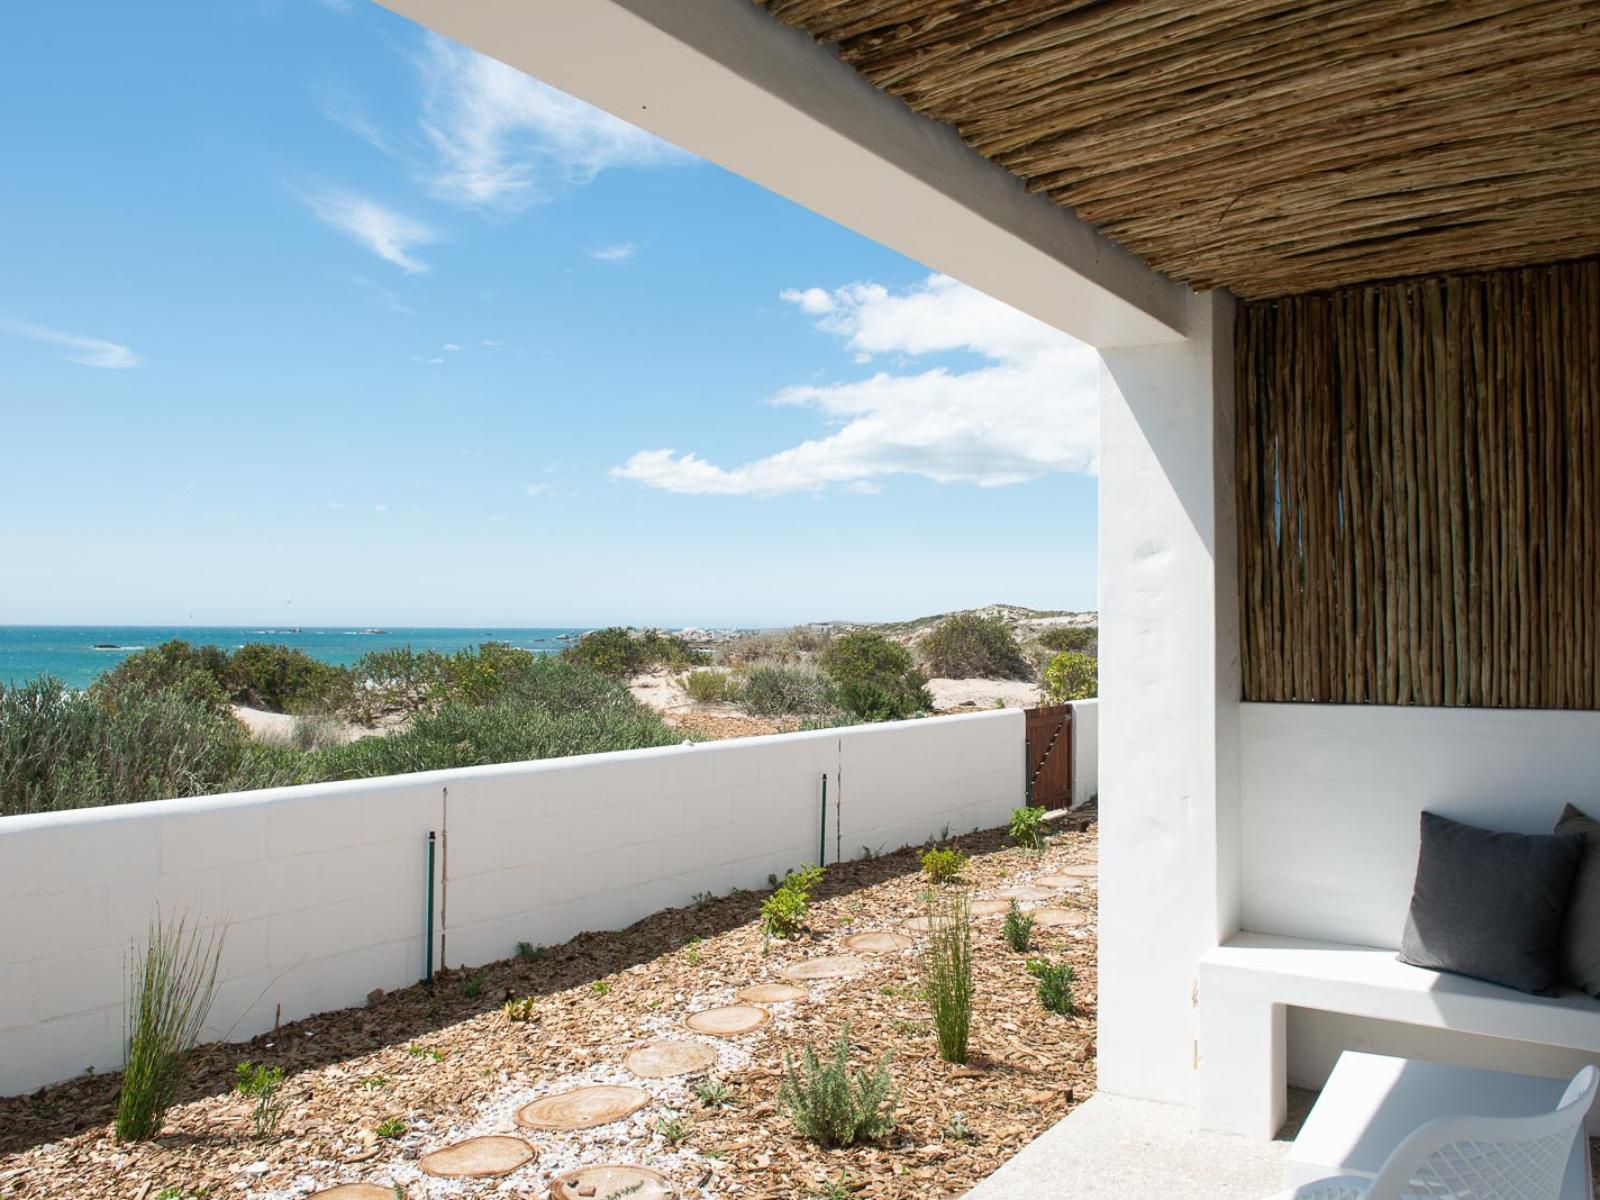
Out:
{"x": 1419, "y": 492}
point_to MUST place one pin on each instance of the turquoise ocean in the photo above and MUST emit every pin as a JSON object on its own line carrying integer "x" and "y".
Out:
{"x": 75, "y": 654}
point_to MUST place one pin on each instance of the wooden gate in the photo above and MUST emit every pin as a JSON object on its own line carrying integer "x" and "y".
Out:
{"x": 1049, "y": 734}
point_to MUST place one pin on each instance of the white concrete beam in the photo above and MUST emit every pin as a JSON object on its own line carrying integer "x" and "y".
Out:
{"x": 722, "y": 79}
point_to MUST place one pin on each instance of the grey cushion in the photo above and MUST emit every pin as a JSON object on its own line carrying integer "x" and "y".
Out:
{"x": 1489, "y": 904}
{"x": 1580, "y": 942}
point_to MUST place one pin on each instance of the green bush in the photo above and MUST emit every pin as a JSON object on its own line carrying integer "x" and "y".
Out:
{"x": 942, "y": 865}
{"x": 1027, "y": 827}
{"x": 1055, "y": 984}
{"x": 1071, "y": 637}
{"x": 710, "y": 687}
{"x": 782, "y": 646}
{"x": 174, "y": 668}
{"x": 775, "y": 690}
{"x": 620, "y": 652}
{"x": 171, "y": 986}
{"x": 1071, "y": 675}
{"x": 874, "y": 677}
{"x": 1018, "y": 928}
{"x": 830, "y": 1104}
{"x": 947, "y": 971}
{"x": 967, "y": 646}
{"x": 783, "y": 914}
{"x": 281, "y": 679}
{"x": 396, "y": 680}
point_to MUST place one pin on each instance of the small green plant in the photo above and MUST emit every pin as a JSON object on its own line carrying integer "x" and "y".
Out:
{"x": 264, "y": 1086}
{"x": 783, "y": 914}
{"x": 1055, "y": 984}
{"x": 528, "y": 952}
{"x": 943, "y": 865}
{"x": 472, "y": 986}
{"x": 710, "y": 687}
{"x": 958, "y": 1130}
{"x": 390, "y": 1128}
{"x": 1027, "y": 827}
{"x": 1019, "y": 928}
{"x": 521, "y": 1010}
{"x": 600, "y": 987}
{"x": 713, "y": 1093}
{"x": 836, "y": 1189}
{"x": 432, "y": 1053}
{"x": 691, "y": 956}
{"x": 672, "y": 1128}
{"x": 372, "y": 1083}
{"x": 171, "y": 986}
{"x": 947, "y": 971}
{"x": 868, "y": 854}
{"x": 832, "y": 1105}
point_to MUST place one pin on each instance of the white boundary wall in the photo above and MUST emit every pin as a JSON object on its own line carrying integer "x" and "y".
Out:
{"x": 324, "y": 886}
{"x": 1085, "y": 751}
{"x": 1331, "y": 797}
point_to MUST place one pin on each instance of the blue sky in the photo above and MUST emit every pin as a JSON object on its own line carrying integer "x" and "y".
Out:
{"x": 304, "y": 311}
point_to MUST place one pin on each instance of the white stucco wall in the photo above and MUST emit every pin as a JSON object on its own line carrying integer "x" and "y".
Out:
{"x": 1085, "y": 751}
{"x": 1169, "y": 689}
{"x": 324, "y": 886}
{"x": 1330, "y": 801}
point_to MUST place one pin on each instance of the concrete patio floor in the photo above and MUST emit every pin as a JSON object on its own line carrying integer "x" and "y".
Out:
{"x": 1113, "y": 1147}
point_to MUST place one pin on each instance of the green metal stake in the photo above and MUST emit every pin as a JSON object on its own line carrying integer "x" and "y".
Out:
{"x": 822, "y": 840}
{"x": 1027, "y": 772}
{"x": 431, "y": 840}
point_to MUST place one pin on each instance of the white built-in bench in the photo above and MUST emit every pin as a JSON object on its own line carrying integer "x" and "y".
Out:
{"x": 1247, "y": 986}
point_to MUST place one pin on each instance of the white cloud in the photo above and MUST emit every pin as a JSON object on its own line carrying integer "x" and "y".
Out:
{"x": 85, "y": 351}
{"x": 538, "y": 489}
{"x": 501, "y": 140}
{"x": 388, "y": 234}
{"x": 1029, "y": 408}
{"x": 618, "y": 253}
{"x": 451, "y": 346}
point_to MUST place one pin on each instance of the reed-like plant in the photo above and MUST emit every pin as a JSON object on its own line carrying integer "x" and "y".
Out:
{"x": 172, "y": 982}
{"x": 947, "y": 971}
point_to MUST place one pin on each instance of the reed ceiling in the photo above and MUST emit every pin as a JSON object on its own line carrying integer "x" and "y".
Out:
{"x": 1269, "y": 147}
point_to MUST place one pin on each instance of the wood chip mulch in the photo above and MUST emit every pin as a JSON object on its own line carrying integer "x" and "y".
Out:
{"x": 448, "y": 1063}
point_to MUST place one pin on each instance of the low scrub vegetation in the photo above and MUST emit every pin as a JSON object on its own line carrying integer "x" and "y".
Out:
{"x": 942, "y": 864}
{"x": 620, "y": 652}
{"x": 1071, "y": 675}
{"x": 784, "y": 646}
{"x": 969, "y": 646}
{"x": 874, "y": 677}
{"x": 1057, "y": 638}
{"x": 833, "y": 1105}
{"x": 711, "y": 687}
{"x": 778, "y": 690}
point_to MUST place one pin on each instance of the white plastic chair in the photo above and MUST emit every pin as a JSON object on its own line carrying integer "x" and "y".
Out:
{"x": 1474, "y": 1158}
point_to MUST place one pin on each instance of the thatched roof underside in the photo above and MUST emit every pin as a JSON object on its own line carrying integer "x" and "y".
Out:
{"x": 1272, "y": 148}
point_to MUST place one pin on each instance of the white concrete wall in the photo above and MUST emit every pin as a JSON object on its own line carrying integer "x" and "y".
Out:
{"x": 1085, "y": 751}
{"x": 1169, "y": 693}
{"x": 1331, "y": 796}
{"x": 324, "y": 886}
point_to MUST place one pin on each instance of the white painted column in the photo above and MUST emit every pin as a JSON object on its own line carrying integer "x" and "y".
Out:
{"x": 1169, "y": 697}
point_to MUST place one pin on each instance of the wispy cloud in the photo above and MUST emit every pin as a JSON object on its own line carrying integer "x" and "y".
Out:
{"x": 84, "y": 350}
{"x": 389, "y": 234}
{"x": 501, "y": 140}
{"x": 538, "y": 489}
{"x": 1029, "y": 409}
{"x": 620, "y": 252}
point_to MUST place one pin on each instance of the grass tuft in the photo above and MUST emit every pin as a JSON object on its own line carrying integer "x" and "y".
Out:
{"x": 947, "y": 972}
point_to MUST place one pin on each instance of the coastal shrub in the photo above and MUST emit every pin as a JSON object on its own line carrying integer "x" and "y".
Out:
{"x": 1071, "y": 637}
{"x": 171, "y": 986}
{"x": 947, "y": 971}
{"x": 776, "y": 690}
{"x": 782, "y": 646}
{"x": 941, "y": 865}
{"x": 874, "y": 677}
{"x": 710, "y": 687}
{"x": 282, "y": 679}
{"x": 969, "y": 646}
{"x": 1027, "y": 827}
{"x": 783, "y": 914}
{"x": 316, "y": 731}
{"x": 1018, "y": 928}
{"x": 1055, "y": 984}
{"x": 1071, "y": 675}
{"x": 481, "y": 675}
{"x": 396, "y": 680}
{"x": 832, "y": 1105}
{"x": 620, "y": 652}
{"x": 174, "y": 668}
{"x": 263, "y": 1087}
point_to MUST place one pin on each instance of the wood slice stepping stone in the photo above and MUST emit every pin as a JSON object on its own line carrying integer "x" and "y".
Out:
{"x": 1081, "y": 871}
{"x": 771, "y": 993}
{"x": 1028, "y": 893}
{"x": 666, "y": 1057}
{"x": 880, "y": 941}
{"x": 728, "y": 1021}
{"x": 1059, "y": 882}
{"x": 596, "y": 1183}
{"x": 478, "y": 1158}
{"x": 917, "y": 924}
{"x": 354, "y": 1191}
{"x": 990, "y": 908}
{"x": 582, "y": 1108}
{"x": 835, "y": 967}
{"x": 1053, "y": 917}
